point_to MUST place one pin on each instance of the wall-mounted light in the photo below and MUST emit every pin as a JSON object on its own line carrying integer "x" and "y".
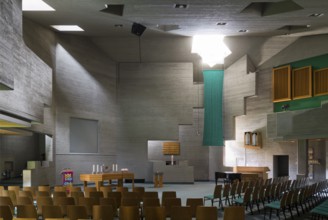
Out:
{"x": 211, "y": 48}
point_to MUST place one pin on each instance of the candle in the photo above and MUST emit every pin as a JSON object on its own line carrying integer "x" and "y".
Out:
{"x": 113, "y": 167}
{"x": 116, "y": 167}
{"x": 97, "y": 168}
{"x": 93, "y": 168}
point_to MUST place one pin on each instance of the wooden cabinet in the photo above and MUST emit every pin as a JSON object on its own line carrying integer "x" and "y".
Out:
{"x": 252, "y": 140}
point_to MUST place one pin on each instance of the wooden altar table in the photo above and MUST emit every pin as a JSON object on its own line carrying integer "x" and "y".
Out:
{"x": 98, "y": 179}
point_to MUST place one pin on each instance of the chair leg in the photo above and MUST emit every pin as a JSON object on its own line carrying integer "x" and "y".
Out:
{"x": 270, "y": 212}
{"x": 283, "y": 212}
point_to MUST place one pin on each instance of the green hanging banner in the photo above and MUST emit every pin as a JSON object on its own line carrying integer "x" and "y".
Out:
{"x": 213, "y": 88}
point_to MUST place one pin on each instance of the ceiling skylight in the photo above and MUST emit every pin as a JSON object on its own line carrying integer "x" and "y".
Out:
{"x": 36, "y": 5}
{"x": 67, "y": 27}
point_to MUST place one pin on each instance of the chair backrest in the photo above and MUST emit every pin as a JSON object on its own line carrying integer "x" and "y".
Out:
{"x": 23, "y": 200}
{"x": 64, "y": 202}
{"x": 134, "y": 195}
{"x": 170, "y": 202}
{"x": 150, "y": 194}
{"x": 122, "y": 189}
{"x": 102, "y": 212}
{"x": 207, "y": 213}
{"x": 11, "y": 194}
{"x": 130, "y": 202}
{"x": 44, "y": 189}
{"x": 76, "y": 195}
{"x": 217, "y": 191}
{"x": 255, "y": 194}
{"x": 150, "y": 202}
{"x": 105, "y": 190}
{"x": 233, "y": 188}
{"x": 51, "y": 211}
{"x": 42, "y": 201}
{"x": 60, "y": 189}
{"x": 56, "y": 194}
{"x": 25, "y": 194}
{"x": 181, "y": 213}
{"x": 247, "y": 196}
{"x": 289, "y": 197}
{"x": 140, "y": 190}
{"x": 129, "y": 213}
{"x": 168, "y": 194}
{"x": 6, "y": 201}
{"x": 117, "y": 196}
{"x": 26, "y": 211}
{"x": 97, "y": 194}
{"x": 75, "y": 212}
{"x": 42, "y": 194}
{"x": 154, "y": 212}
{"x": 88, "y": 203}
{"x": 234, "y": 213}
{"x": 16, "y": 189}
{"x": 31, "y": 189}
{"x": 74, "y": 189}
{"x": 6, "y": 212}
{"x": 245, "y": 186}
{"x": 1, "y": 189}
{"x": 87, "y": 191}
{"x": 226, "y": 190}
{"x": 109, "y": 201}
{"x": 193, "y": 203}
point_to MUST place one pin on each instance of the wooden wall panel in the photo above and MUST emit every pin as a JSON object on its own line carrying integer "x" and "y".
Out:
{"x": 281, "y": 84}
{"x": 320, "y": 78}
{"x": 171, "y": 148}
{"x": 302, "y": 82}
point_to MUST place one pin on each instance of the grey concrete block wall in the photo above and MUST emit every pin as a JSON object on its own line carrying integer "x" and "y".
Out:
{"x": 32, "y": 77}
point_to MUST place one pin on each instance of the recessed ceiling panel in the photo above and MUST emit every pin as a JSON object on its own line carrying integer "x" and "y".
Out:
{"x": 114, "y": 9}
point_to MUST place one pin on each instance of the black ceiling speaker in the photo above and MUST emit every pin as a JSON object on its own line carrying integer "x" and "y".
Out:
{"x": 137, "y": 29}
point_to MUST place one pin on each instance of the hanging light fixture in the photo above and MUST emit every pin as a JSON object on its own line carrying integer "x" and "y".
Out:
{"x": 211, "y": 48}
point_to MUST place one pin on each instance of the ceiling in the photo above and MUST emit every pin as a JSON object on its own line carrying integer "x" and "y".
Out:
{"x": 259, "y": 18}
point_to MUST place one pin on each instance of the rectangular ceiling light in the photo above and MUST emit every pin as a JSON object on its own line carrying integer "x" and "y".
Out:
{"x": 36, "y": 5}
{"x": 67, "y": 27}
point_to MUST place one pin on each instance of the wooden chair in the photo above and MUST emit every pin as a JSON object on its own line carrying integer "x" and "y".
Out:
{"x": 181, "y": 213}
{"x": 96, "y": 195}
{"x": 23, "y": 200}
{"x": 56, "y": 194}
{"x": 117, "y": 196}
{"x": 234, "y": 213}
{"x": 16, "y": 189}
{"x": 246, "y": 200}
{"x": 44, "y": 189}
{"x": 26, "y": 211}
{"x": 277, "y": 205}
{"x": 88, "y": 203}
{"x": 11, "y": 194}
{"x": 31, "y": 189}
{"x": 64, "y": 202}
{"x": 100, "y": 212}
{"x": 43, "y": 201}
{"x": 168, "y": 194}
{"x": 26, "y": 194}
{"x": 207, "y": 213}
{"x": 226, "y": 193}
{"x": 122, "y": 189}
{"x": 87, "y": 191}
{"x": 1, "y": 189}
{"x": 107, "y": 202}
{"x": 74, "y": 189}
{"x": 105, "y": 190}
{"x": 154, "y": 212}
{"x": 216, "y": 197}
{"x": 6, "y": 212}
{"x": 75, "y": 212}
{"x": 51, "y": 211}
{"x": 60, "y": 189}
{"x": 129, "y": 213}
{"x": 76, "y": 195}
{"x": 130, "y": 202}
{"x": 42, "y": 194}
{"x": 6, "y": 201}
{"x": 140, "y": 191}
{"x": 150, "y": 194}
{"x": 193, "y": 203}
{"x": 168, "y": 203}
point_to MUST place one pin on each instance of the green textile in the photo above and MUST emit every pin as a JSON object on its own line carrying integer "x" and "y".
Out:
{"x": 213, "y": 89}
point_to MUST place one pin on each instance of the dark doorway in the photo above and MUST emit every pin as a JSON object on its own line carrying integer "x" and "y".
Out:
{"x": 280, "y": 165}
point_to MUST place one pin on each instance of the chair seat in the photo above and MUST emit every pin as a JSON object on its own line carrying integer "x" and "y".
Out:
{"x": 274, "y": 205}
{"x": 209, "y": 197}
{"x": 239, "y": 200}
